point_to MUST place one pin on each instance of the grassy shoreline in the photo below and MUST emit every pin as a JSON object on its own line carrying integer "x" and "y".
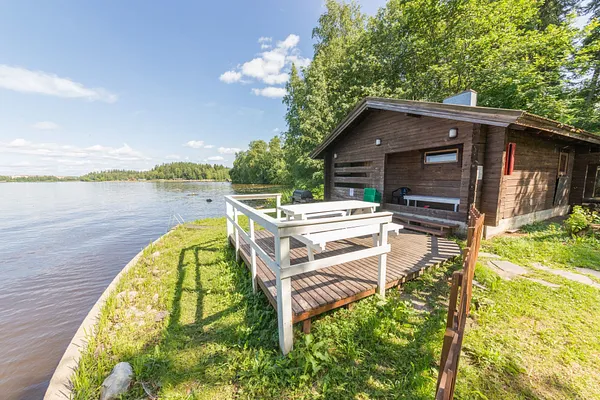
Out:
{"x": 219, "y": 341}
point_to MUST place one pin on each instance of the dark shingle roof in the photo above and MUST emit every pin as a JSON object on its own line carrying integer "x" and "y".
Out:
{"x": 480, "y": 115}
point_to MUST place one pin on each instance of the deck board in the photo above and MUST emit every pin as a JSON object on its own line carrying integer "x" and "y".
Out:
{"x": 319, "y": 291}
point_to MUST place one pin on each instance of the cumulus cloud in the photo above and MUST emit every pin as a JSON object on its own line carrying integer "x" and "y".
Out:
{"x": 265, "y": 42}
{"x": 195, "y": 144}
{"x": 270, "y": 91}
{"x": 290, "y": 42}
{"x": 230, "y": 77}
{"x": 229, "y": 150}
{"x": 45, "y": 125}
{"x": 271, "y": 66}
{"x": 209, "y": 146}
{"x": 55, "y": 151}
{"x": 27, "y": 81}
{"x": 172, "y": 157}
{"x": 215, "y": 158}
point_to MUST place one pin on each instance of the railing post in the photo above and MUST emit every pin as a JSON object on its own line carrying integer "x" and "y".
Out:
{"x": 277, "y": 205}
{"x": 381, "y": 276}
{"x": 237, "y": 234}
{"x": 229, "y": 213}
{"x": 284, "y": 295}
{"x": 252, "y": 255}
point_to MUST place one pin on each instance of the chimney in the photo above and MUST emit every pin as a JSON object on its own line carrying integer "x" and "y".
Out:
{"x": 466, "y": 98}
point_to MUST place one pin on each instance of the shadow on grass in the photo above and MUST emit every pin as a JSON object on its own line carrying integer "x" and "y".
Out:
{"x": 222, "y": 339}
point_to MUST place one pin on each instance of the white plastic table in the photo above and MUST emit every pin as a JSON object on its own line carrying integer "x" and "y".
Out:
{"x": 433, "y": 199}
{"x": 327, "y": 208}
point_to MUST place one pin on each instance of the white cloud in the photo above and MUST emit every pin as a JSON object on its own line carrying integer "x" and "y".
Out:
{"x": 299, "y": 62}
{"x": 59, "y": 151}
{"x": 229, "y": 150}
{"x": 290, "y": 42}
{"x": 45, "y": 125}
{"x": 276, "y": 130}
{"x": 230, "y": 77}
{"x": 271, "y": 66}
{"x": 26, "y": 81}
{"x": 270, "y": 91}
{"x": 215, "y": 158}
{"x": 195, "y": 144}
{"x": 172, "y": 157}
{"x": 265, "y": 42}
{"x": 209, "y": 146}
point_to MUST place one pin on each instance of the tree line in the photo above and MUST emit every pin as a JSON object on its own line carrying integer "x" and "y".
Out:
{"x": 517, "y": 54}
{"x": 176, "y": 170}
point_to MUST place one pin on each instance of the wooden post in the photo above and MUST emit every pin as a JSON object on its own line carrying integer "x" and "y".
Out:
{"x": 277, "y": 205}
{"x": 383, "y": 234}
{"x": 284, "y": 296}
{"x": 229, "y": 212}
{"x": 306, "y": 324}
{"x": 237, "y": 234}
{"x": 252, "y": 255}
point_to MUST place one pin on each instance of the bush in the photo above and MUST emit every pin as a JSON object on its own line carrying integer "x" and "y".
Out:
{"x": 580, "y": 220}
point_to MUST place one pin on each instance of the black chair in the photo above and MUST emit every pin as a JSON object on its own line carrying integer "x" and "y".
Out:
{"x": 398, "y": 195}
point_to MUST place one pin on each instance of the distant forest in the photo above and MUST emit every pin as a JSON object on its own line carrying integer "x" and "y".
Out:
{"x": 176, "y": 170}
{"x": 528, "y": 55}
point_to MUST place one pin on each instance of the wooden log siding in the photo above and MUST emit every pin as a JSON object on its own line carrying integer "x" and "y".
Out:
{"x": 400, "y": 133}
{"x": 532, "y": 185}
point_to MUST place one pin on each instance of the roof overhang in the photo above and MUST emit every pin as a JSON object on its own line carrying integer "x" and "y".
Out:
{"x": 478, "y": 115}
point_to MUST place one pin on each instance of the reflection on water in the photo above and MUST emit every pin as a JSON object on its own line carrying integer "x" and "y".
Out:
{"x": 61, "y": 244}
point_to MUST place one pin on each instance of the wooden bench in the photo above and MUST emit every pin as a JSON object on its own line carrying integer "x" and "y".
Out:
{"x": 318, "y": 241}
{"x": 454, "y": 201}
{"x": 434, "y": 228}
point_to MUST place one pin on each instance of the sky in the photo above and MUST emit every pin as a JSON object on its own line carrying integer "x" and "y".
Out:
{"x": 88, "y": 86}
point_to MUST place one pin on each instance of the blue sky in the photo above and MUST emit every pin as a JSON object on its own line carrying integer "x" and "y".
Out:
{"x": 129, "y": 84}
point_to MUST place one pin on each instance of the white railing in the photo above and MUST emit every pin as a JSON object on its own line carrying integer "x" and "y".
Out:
{"x": 282, "y": 232}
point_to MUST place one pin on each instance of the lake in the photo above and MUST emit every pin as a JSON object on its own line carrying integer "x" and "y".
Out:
{"x": 61, "y": 244}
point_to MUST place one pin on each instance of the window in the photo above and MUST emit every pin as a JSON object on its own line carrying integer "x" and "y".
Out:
{"x": 563, "y": 164}
{"x": 353, "y": 164}
{"x": 509, "y": 165}
{"x": 441, "y": 156}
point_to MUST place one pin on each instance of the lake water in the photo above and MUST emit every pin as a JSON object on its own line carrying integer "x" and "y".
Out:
{"x": 61, "y": 244}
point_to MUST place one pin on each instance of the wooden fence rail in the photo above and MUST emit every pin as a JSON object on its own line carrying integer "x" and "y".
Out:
{"x": 283, "y": 231}
{"x": 458, "y": 308}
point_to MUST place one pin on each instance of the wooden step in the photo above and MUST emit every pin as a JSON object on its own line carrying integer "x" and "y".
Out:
{"x": 424, "y": 229}
{"x": 427, "y": 222}
{"x": 426, "y": 226}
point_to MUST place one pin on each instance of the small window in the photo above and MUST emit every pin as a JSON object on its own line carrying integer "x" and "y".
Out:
{"x": 563, "y": 163}
{"x": 509, "y": 165}
{"x": 441, "y": 156}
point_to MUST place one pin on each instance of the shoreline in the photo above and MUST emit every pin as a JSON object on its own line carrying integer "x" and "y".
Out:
{"x": 59, "y": 386}
{"x": 136, "y": 181}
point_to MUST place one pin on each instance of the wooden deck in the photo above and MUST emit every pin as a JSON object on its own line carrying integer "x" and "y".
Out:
{"x": 316, "y": 292}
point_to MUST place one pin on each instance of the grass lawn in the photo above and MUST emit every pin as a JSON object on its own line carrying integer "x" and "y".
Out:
{"x": 220, "y": 341}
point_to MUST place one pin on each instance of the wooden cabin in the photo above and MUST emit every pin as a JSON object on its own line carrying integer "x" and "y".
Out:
{"x": 514, "y": 166}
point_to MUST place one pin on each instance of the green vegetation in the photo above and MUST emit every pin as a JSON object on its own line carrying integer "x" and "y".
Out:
{"x": 549, "y": 244}
{"x": 515, "y": 53}
{"x": 176, "y": 170}
{"x": 38, "y": 178}
{"x": 219, "y": 341}
{"x": 262, "y": 163}
{"x": 580, "y": 221}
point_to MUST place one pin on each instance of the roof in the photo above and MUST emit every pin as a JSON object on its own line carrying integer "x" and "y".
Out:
{"x": 481, "y": 115}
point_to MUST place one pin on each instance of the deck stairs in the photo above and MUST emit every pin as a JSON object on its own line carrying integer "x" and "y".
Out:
{"x": 435, "y": 228}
